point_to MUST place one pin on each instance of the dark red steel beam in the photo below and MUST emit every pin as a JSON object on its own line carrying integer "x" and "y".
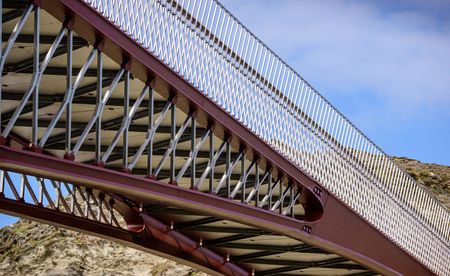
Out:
{"x": 140, "y": 188}
{"x": 141, "y": 241}
{"x": 92, "y": 26}
{"x": 339, "y": 230}
{"x": 177, "y": 239}
{"x": 354, "y": 235}
{"x": 155, "y": 240}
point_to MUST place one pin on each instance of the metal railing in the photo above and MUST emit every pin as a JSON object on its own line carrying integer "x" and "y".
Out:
{"x": 203, "y": 43}
{"x": 281, "y": 195}
{"x": 60, "y": 196}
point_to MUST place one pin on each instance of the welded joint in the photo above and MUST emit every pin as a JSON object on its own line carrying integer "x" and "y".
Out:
{"x": 37, "y": 3}
{"x": 126, "y": 64}
{"x": 173, "y": 98}
{"x": 3, "y": 140}
{"x": 151, "y": 81}
{"x": 99, "y": 44}
{"x": 69, "y": 22}
{"x": 33, "y": 148}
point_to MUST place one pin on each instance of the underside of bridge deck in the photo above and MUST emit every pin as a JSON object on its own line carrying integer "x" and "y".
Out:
{"x": 100, "y": 137}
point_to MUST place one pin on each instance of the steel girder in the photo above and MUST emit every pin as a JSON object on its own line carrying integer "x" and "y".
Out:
{"x": 238, "y": 177}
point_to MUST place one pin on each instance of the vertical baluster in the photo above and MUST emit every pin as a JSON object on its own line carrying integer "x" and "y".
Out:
{"x": 56, "y": 185}
{"x": 151, "y": 107}
{"x": 257, "y": 185}
{"x": 98, "y": 123}
{"x": 41, "y": 192}
{"x": 291, "y": 198}
{"x": 126, "y": 104}
{"x": 193, "y": 162}
{"x": 35, "y": 125}
{"x": 22, "y": 187}
{"x": 87, "y": 198}
{"x": 111, "y": 211}
{"x": 68, "y": 87}
{"x": 74, "y": 198}
{"x": 280, "y": 199}
{"x": 101, "y": 198}
{"x": 243, "y": 179}
{"x": 211, "y": 161}
{"x": 173, "y": 130}
{"x": 2, "y": 172}
{"x": 227, "y": 167}
{"x": 269, "y": 204}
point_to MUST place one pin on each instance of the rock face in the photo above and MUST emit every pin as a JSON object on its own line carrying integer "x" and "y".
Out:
{"x": 30, "y": 248}
{"x": 435, "y": 178}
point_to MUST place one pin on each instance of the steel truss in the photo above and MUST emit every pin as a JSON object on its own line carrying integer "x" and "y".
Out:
{"x": 249, "y": 183}
{"x": 198, "y": 164}
{"x": 119, "y": 217}
{"x": 132, "y": 159}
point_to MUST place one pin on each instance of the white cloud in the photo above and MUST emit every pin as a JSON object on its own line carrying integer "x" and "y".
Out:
{"x": 400, "y": 55}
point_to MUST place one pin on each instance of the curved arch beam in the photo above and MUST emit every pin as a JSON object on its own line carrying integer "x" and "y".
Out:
{"x": 339, "y": 230}
{"x": 143, "y": 240}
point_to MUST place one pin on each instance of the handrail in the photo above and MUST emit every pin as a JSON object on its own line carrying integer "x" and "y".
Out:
{"x": 207, "y": 46}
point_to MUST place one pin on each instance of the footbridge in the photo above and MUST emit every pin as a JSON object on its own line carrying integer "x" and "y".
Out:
{"x": 166, "y": 125}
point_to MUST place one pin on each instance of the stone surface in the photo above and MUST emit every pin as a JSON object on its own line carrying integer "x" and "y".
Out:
{"x": 434, "y": 177}
{"x": 30, "y": 248}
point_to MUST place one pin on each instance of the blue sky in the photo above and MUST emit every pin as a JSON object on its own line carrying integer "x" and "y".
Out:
{"x": 385, "y": 64}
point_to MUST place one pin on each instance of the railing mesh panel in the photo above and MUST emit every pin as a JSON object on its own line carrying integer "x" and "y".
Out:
{"x": 203, "y": 43}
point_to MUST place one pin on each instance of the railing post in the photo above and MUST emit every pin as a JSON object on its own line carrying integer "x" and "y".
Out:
{"x": 227, "y": 168}
{"x": 69, "y": 87}
{"x": 99, "y": 99}
{"x": 173, "y": 130}
{"x": 257, "y": 184}
{"x": 211, "y": 161}
{"x": 2, "y": 175}
{"x": 150, "y": 125}
{"x": 126, "y": 104}
{"x": 36, "y": 69}
{"x": 193, "y": 162}
{"x": 244, "y": 179}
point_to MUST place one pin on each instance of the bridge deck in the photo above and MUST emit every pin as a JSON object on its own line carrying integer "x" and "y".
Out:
{"x": 203, "y": 190}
